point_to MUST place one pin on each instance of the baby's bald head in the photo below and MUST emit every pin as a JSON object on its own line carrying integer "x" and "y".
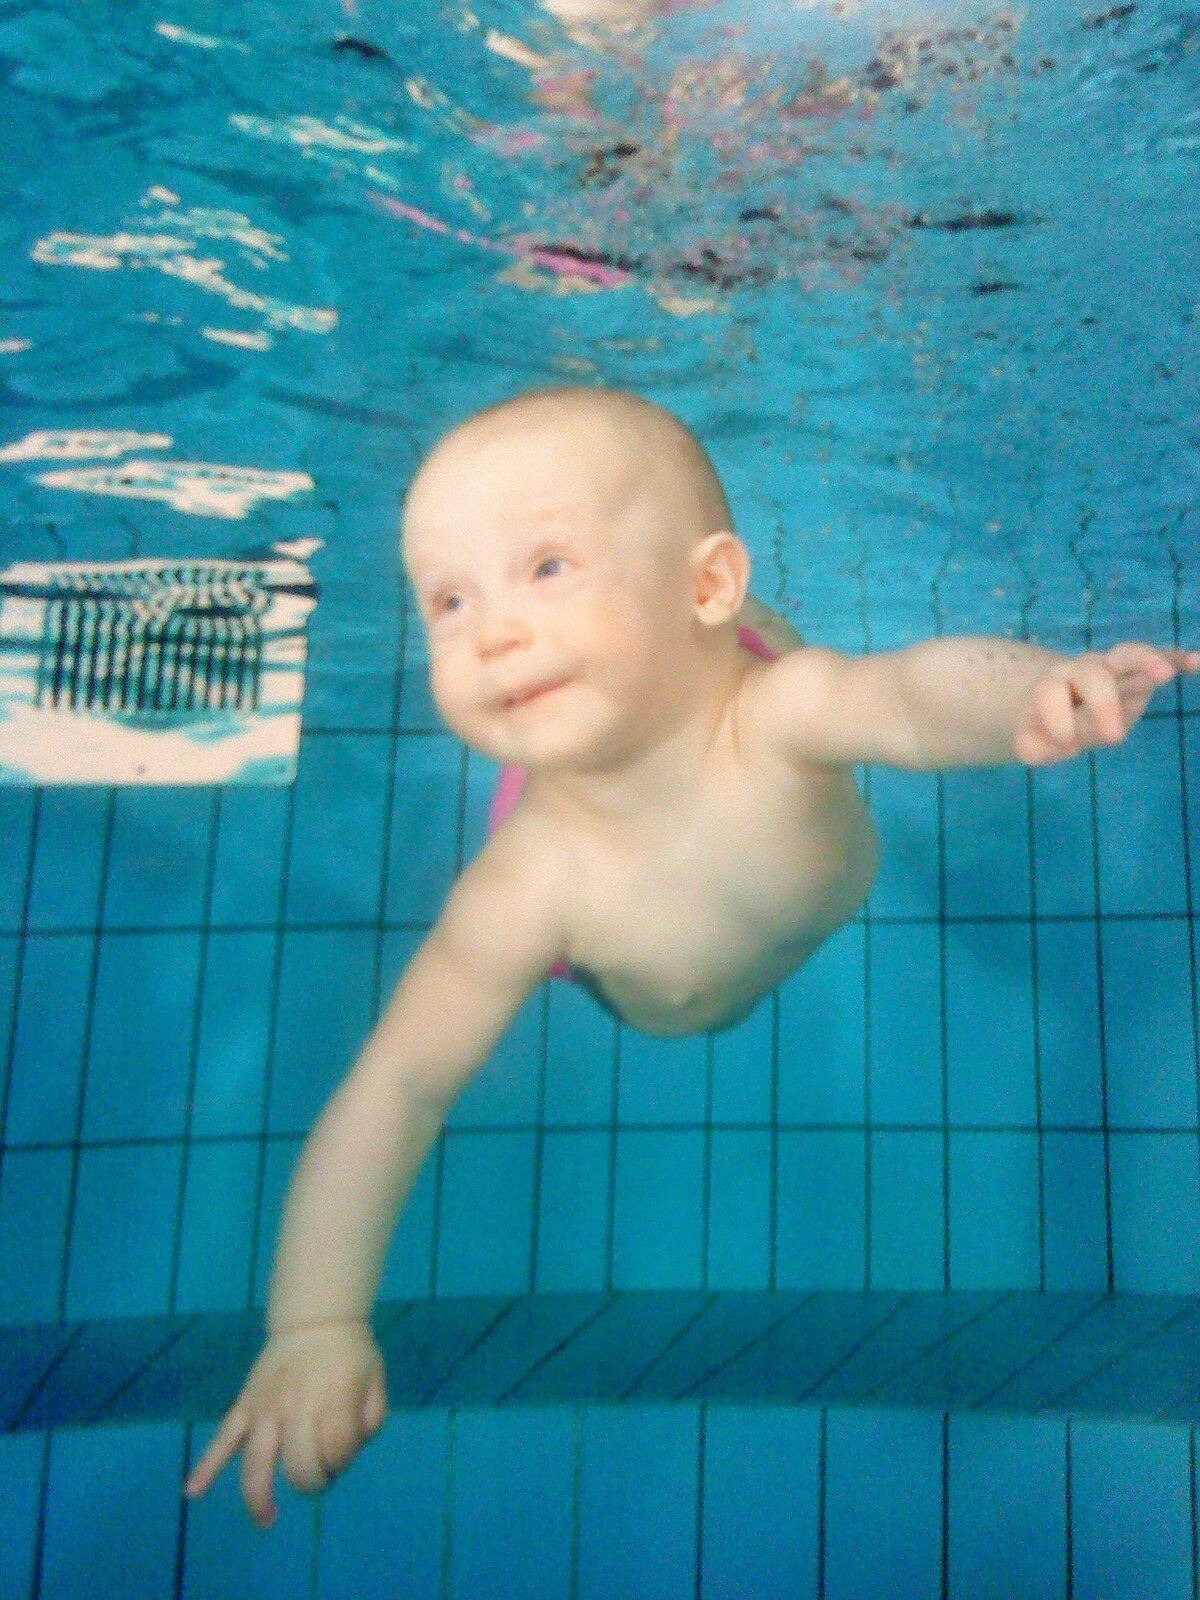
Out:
{"x": 638, "y": 465}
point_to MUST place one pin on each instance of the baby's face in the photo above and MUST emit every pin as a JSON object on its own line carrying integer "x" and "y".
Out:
{"x": 556, "y": 603}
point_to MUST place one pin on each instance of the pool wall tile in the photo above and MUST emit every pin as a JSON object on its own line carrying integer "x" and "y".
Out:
{"x": 987, "y": 842}
{"x": 739, "y": 1210}
{"x": 637, "y": 1530}
{"x": 423, "y": 827}
{"x": 99, "y": 1481}
{"x": 1131, "y": 1510}
{"x": 821, "y": 1215}
{"x": 22, "y": 1468}
{"x": 46, "y": 1067}
{"x": 158, "y": 858}
{"x": 216, "y": 1228}
{"x": 486, "y": 1235}
{"x": 658, "y": 1210}
{"x": 123, "y": 1193}
{"x": 761, "y": 1472}
{"x": 1075, "y": 1211}
{"x": 1068, "y": 1016}
{"x": 141, "y": 1030}
{"x": 251, "y": 846}
{"x": 234, "y": 1040}
{"x": 908, "y": 1210}
{"x": 991, "y": 1074}
{"x": 574, "y": 1212}
{"x": 69, "y": 859}
{"x": 1155, "y": 1212}
{"x": 1149, "y": 1027}
{"x": 994, "y": 1222}
{"x": 1007, "y": 1508}
{"x": 821, "y": 1034}
{"x": 876, "y": 1542}
{"x": 35, "y": 1209}
{"x": 511, "y": 1532}
{"x": 906, "y": 1024}
{"x": 336, "y": 857}
{"x": 326, "y": 988}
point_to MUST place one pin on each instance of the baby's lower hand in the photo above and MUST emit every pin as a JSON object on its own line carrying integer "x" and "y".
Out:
{"x": 312, "y": 1399}
{"x": 1094, "y": 700}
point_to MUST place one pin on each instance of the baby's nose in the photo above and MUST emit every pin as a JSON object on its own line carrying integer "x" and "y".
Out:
{"x": 501, "y": 631}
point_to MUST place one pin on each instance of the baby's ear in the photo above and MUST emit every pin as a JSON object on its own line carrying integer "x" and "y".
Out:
{"x": 719, "y": 568}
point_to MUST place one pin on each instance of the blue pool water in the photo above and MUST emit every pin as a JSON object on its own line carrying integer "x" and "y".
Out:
{"x": 895, "y": 1288}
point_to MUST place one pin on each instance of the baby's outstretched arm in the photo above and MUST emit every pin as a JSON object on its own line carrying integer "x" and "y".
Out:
{"x": 958, "y": 702}
{"x": 317, "y": 1390}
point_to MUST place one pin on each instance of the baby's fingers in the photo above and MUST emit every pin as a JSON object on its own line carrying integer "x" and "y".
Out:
{"x": 259, "y": 1456}
{"x": 1094, "y": 683}
{"x": 226, "y": 1443}
{"x": 1055, "y": 705}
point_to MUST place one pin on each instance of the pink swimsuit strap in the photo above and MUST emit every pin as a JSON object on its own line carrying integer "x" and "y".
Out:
{"x": 512, "y": 779}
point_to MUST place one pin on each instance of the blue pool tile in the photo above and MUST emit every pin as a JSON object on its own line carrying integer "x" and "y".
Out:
{"x": 506, "y": 1088}
{"x": 324, "y": 1016}
{"x": 66, "y": 887}
{"x": 994, "y": 1222}
{"x": 580, "y": 1057}
{"x": 280, "y": 1157}
{"x": 878, "y": 1542}
{"x": 422, "y": 860}
{"x": 1068, "y": 1011}
{"x": 336, "y": 853}
{"x": 661, "y": 1080}
{"x": 220, "y": 1193}
{"x": 1007, "y": 1508}
{"x": 235, "y": 1033}
{"x": 16, "y": 829}
{"x": 1155, "y": 1213}
{"x": 1076, "y": 1231}
{"x": 158, "y": 859}
{"x": 1139, "y": 806}
{"x": 1064, "y": 842}
{"x": 138, "y": 1067}
{"x": 251, "y": 842}
{"x": 658, "y": 1220}
{"x": 573, "y": 1213}
{"x": 761, "y": 1496}
{"x": 906, "y": 1024}
{"x": 383, "y": 1525}
{"x": 822, "y": 1025}
{"x": 417, "y": 709}
{"x": 35, "y": 1190}
{"x": 1191, "y": 767}
{"x": 125, "y": 1193}
{"x": 741, "y": 1057}
{"x": 1131, "y": 1519}
{"x": 739, "y": 1210}
{"x": 637, "y": 1529}
{"x": 112, "y": 1512}
{"x": 987, "y": 843}
{"x": 221, "y": 1539}
{"x": 905, "y": 808}
{"x": 47, "y": 1063}
{"x": 908, "y": 1247}
{"x": 989, "y": 1024}
{"x": 1150, "y": 1045}
{"x": 511, "y": 1512}
{"x": 9, "y": 953}
{"x": 22, "y": 1461}
{"x": 485, "y": 1242}
{"x": 821, "y": 1220}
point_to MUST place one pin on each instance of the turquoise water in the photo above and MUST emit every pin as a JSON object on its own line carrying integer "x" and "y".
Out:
{"x": 927, "y": 288}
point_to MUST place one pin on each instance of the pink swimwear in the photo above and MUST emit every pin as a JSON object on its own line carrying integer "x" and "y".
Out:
{"x": 512, "y": 779}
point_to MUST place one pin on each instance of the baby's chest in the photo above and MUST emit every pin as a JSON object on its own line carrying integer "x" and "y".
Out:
{"x": 696, "y": 908}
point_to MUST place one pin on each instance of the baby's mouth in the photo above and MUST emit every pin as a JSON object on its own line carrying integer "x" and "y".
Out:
{"x": 528, "y": 697}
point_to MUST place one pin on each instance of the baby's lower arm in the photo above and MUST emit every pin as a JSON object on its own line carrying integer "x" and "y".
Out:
{"x": 355, "y": 1173}
{"x": 965, "y": 696}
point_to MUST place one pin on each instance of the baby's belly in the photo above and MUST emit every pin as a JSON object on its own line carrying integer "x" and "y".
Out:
{"x": 690, "y": 967}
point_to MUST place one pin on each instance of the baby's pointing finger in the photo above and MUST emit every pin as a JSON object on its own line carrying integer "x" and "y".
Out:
{"x": 225, "y": 1444}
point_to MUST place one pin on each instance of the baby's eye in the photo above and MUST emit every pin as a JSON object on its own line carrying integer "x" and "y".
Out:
{"x": 549, "y": 567}
{"x": 445, "y": 603}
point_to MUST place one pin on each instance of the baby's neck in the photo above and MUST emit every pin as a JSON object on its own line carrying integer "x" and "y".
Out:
{"x": 646, "y": 782}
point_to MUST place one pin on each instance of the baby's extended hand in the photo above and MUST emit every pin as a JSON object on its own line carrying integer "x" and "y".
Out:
{"x": 312, "y": 1399}
{"x": 1094, "y": 699}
